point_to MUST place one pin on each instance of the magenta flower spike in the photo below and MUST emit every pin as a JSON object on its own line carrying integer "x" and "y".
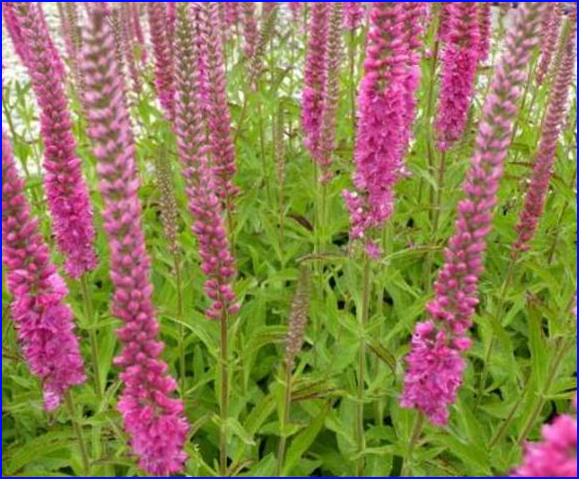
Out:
{"x": 217, "y": 107}
{"x": 138, "y": 30}
{"x": 232, "y": 13}
{"x": 14, "y": 30}
{"x": 485, "y": 19}
{"x": 57, "y": 62}
{"x": 193, "y": 142}
{"x": 354, "y": 14}
{"x": 414, "y": 20}
{"x": 381, "y": 120}
{"x": 459, "y": 66}
{"x": 538, "y": 188}
{"x": 44, "y": 322}
{"x": 556, "y": 456}
{"x": 128, "y": 47}
{"x": 444, "y": 22}
{"x": 164, "y": 75}
{"x": 435, "y": 363}
{"x": 315, "y": 78}
{"x": 327, "y": 142}
{"x": 296, "y": 9}
{"x": 154, "y": 420}
{"x": 250, "y": 28}
{"x": 171, "y": 18}
{"x": 549, "y": 36}
{"x": 69, "y": 29}
{"x": 66, "y": 190}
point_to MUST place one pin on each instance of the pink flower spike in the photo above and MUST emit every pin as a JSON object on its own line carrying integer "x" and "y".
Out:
{"x": 193, "y": 143}
{"x": 354, "y": 13}
{"x": 444, "y": 21}
{"x": 549, "y": 35}
{"x": 414, "y": 19}
{"x": 138, "y": 30}
{"x": 315, "y": 77}
{"x": 66, "y": 190}
{"x": 435, "y": 363}
{"x": 381, "y": 138}
{"x": 217, "y": 107}
{"x": 250, "y": 28}
{"x": 14, "y": 30}
{"x": 538, "y": 188}
{"x": 232, "y": 13}
{"x": 164, "y": 76}
{"x": 44, "y": 322}
{"x": 485, "y": 19}
{"x": 154, "y": 421}
{"x": 459, "y": 66}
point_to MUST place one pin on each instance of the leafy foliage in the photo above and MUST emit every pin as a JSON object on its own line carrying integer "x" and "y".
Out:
{"x": 522, "y": 368}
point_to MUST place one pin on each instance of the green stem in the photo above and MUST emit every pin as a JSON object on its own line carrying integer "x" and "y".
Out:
{"x": 489, "y": 350}
{"x": 364, "y": 316}
{"x": 553, "y": 250}
{"x": 511, "y": 416}
{"x": 562, "y": 350}
{"x": 264, "y": 166}
{"x": 440, "y": 192}
{"x": 79, "y": 435}
{"x": 180, "y": 319}
{"x": 414, "y": 438}
{"x": 93, "y": 338}
{"x": 285, "y": 420}
{"x": 524, "y": 100}
{"x": 241, "y": 117}
{"x": 224, "y": 398}
{"x": 429, "y": 114}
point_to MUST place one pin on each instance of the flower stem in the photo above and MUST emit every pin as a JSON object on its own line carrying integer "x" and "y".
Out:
{"x": 224, "y": 399}
{"x": 562, "y": 347}
{"x": 414, "y": 438}
{"x": 285, "y": 419}
{"x": 440, "y": 192}
{"x": 179, "y": 291}
{"x": 90, "y": 317}
{"x": 553, "y": 250}
{"x": 364, "y": 316}
{"x": 488, "y": 353}
{"x": 79, "y": 435}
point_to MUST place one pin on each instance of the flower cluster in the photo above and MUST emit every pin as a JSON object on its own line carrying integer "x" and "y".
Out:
{"x": 217, "y": 107}
{"x": 66, "y": 190}
{"x": 546, "y": 154}
{"x": 192, "y": 139}
{"x": 549, "y": 35}
{"x": 250, "y": 29}
{"x": 137, "y": 30}
{"x": 43, "y": 321}
{"x": 435, "y": 365}
{"x": 315, "y": 78}
{"x": 14, "y": 31}
{"x": 354, "y": 14}
{"x": 415, "y": 15}
{"x": 485, "y": 19}
{"x": 327, "y": 141}
{"x": 232, "y": 13}
{"x": 152, "y": 418}
{"x": 164, "y": 75}
{"x": 459, "y": 66}
{"x": 380, "y": 136}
